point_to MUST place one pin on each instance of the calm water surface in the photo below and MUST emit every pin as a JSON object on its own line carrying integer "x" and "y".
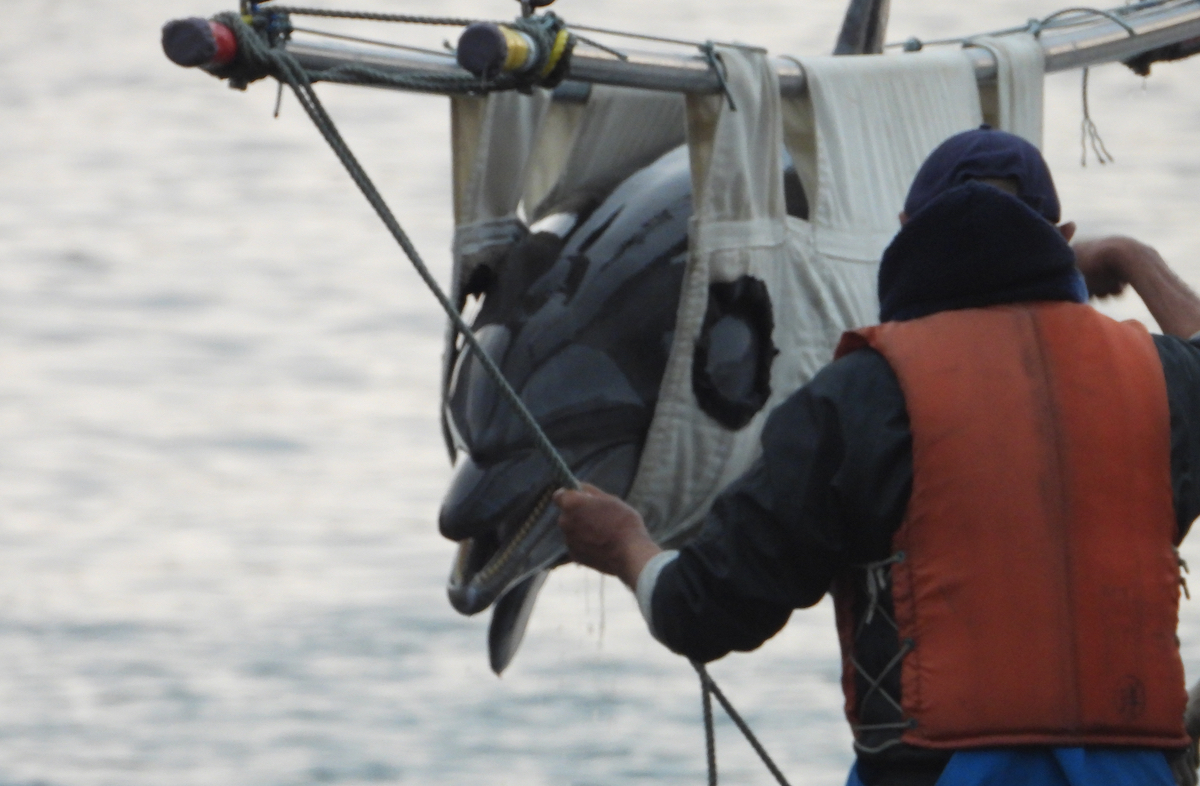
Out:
{"x": 219, "y": 455}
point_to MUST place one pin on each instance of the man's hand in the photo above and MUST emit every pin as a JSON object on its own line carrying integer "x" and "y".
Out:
{"x": 1105, "y": 262}
{"x": 1111, "y": 263}
{"x": 604, "y": 533}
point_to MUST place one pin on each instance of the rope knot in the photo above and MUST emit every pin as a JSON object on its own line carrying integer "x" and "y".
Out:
{"x": 554, "y": 47}
{"x": 257, "y": 38}
{"x": 717, "y": 65}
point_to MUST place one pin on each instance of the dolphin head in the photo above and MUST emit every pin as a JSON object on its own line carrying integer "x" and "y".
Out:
{"x": 579, "y": 317}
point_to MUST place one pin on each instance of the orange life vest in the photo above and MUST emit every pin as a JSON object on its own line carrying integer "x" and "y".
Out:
{"x": 1034, "y": 576}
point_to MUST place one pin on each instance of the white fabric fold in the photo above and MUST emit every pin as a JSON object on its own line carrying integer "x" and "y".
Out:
{"x": 739, "y": 227}
{"x": 590, "y": 149}
{"x": 492, "y": 140}
{"x": 877, "y": 117}
{"x": 1014, "y": 102}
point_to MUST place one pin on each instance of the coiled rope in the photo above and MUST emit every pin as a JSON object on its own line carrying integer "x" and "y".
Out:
{"x": 261, "y": 54}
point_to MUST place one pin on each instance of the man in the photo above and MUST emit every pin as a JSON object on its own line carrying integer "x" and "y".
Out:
{"x": 990, "y": 483}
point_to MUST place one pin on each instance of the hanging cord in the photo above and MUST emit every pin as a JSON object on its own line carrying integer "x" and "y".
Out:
{"x": 1089, "y": 134}
{"x": 279, "y": 63}
{"x": 709, "y": 686}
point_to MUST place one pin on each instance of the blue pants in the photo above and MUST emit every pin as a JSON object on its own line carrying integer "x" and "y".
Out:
{"x": 1052, "y": 767}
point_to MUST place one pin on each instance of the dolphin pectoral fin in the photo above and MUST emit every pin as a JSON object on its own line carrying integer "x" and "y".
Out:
{"x": 509, "y": 619}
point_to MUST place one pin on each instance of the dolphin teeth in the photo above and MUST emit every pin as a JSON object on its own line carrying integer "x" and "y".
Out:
{"x": 498, "y": 561}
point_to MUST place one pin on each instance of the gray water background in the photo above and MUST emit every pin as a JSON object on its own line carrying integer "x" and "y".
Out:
{"x": 219, "y": 455}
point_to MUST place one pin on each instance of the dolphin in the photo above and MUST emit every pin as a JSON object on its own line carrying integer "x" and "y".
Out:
{"x": 579, "y": 316}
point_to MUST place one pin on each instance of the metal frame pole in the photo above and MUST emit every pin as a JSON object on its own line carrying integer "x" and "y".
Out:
{"x": 1069, "y": 42}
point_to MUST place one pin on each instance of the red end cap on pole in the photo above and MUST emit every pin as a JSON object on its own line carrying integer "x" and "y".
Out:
{"x": 198, "y": 42}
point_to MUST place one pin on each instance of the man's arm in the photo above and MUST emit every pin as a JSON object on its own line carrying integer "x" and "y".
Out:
{"x": 1111, "y": 263}
{"x": 604, "y": 533}
{"x": 829, "y": 490}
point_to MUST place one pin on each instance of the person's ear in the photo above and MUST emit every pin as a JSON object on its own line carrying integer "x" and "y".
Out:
{"x": 1067, "y": 230}
{"x": 903, "y": 218}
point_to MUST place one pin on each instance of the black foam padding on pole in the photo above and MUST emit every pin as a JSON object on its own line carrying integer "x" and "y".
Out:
{"x": 189, "y": 42}
{"x": 482, "y": 49}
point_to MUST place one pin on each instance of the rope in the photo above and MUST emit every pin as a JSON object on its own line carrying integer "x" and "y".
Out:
{"x": 709, "y": 50}
{"x": 710, "y": 732}
{"x": 278, "y": 62}
{"x": 597, "y": 45}
{"x": 270, "y": 59}
{"x": 1036, "y": 26}
{"x": 709, "y": 686}
{"x": 454, "y": 21}
{"x": 371, "y": 41}
{"x": 1089, "y": 134}
{"x": 410, "y": 19}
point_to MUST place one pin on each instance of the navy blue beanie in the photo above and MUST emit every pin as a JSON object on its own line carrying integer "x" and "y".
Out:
{"x": 975, "y": 246}
{"x": 981, "y": 154}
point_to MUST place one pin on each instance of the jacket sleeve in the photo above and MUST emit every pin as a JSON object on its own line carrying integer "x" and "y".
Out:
{"x": 1181, "y": 367}
{"x": 829, "y": 490}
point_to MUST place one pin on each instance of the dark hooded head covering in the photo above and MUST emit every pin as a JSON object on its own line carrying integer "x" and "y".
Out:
{"x": 986, "y": 154}
{"x": 968, "y": 244}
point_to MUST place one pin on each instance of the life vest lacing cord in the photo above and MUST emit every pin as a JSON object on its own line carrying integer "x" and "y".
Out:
{"x": 876, "y": 682}
{"x": 877, "y": 581}
{"x": 1183, "y": 568}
